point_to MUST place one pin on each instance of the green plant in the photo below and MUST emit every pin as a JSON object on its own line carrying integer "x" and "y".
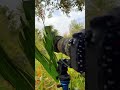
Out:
{"x": 77, "y": 80}
{"x": 26, "y": 35}
{"x": 14, "y": 75}
{"x": 12, "y": 72}
{"x": 48, "y": 61}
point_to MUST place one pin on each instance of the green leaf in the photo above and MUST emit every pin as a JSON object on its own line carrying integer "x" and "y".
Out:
{"x": 44, "y": 61}
{"x": 13, "y": 74}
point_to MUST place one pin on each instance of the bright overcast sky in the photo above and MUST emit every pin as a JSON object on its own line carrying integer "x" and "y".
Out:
{"x": 61, "y": 22}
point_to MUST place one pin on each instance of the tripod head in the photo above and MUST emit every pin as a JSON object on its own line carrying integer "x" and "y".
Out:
{"x": 64, "y": 77}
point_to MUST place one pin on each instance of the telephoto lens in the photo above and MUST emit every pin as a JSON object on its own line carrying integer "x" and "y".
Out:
{"x": 63, "y": 45}
{"x": 73, "y": 47}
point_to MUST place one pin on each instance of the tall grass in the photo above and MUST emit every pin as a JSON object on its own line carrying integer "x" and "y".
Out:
{"x": 49, "y": 61}
{"x": 10, "y": 71}
{"x": 46, "y": 69}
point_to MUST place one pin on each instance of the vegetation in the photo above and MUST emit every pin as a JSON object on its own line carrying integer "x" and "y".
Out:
{"x": 16, "y": 57}
{"x": 47, "y": 7}
{"x": 48, "y": 61}
{"x": 75, "y": 27}
{"x": 12, "y": 74}
{"x": 46, "y": 73}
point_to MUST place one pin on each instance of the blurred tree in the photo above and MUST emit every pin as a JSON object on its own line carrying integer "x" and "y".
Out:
{"x": 74, "y": 28}
{"x": 41, "y": 6}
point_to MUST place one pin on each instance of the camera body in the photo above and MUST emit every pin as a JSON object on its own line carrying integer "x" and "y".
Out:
{"x": 74, "y": 48}
{"x": 102, "y": 53}
{"x": 96, "y": 52}
{"x": 77, "y": 49}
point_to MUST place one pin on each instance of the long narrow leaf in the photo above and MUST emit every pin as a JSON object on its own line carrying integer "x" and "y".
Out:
{"x": 11, "y": 73}
{"x": 48, "y": 44}
{"x": 45, "y": 64}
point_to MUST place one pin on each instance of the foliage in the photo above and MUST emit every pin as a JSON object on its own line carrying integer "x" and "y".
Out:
{"x": 45, "y": 82}
{"x": 77, "y": 80}
{"x": 48, "y": 61}
{"x": 43, "y": 50}
{"x": 45, "y": 78}
{"x": 41, "y": 6}
{"x": 18, "y": 77}
{"x": 75, "y": 27}
{"x": 38, "y": 35}
{"x": 13, "y": 74}
{"x": 26, "y": 35}
{"x": 43, "y": 75}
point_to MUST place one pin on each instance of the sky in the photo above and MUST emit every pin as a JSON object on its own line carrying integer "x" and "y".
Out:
{"x": 60, "y": 21}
